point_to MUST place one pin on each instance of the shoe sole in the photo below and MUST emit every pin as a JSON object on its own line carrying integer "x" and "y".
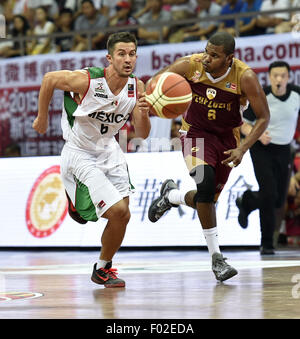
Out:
{"x": 150, "y": 211}
{"x": 107, "y": 285}
{"x": 163, "y": 187}
{"x": 228, "y": 275}
{"x": 243, "y": 221}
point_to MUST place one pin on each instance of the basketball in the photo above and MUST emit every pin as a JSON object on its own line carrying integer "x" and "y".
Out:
{"x": 168, "y": 95}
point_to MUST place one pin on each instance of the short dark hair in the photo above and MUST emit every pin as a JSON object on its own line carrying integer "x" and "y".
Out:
{"x": 66, "y": 10}
{"x": 114, "y": 38}
{"x": 279, "y": 64}
{"x": 89, "y": 1}
{"x": 223, "y": 39}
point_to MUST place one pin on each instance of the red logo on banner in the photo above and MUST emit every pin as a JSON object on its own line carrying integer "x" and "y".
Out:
{"x": 47, "y": 204}
{"x": 9, "y": 296}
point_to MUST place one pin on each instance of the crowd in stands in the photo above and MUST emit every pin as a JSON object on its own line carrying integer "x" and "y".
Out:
{"x": 36, "y": 17}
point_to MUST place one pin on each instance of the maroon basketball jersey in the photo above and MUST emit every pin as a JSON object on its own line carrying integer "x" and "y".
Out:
{"x": 217, "y": 103}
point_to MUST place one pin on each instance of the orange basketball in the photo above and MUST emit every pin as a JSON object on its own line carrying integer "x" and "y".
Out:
{"x": 168, "y": 95}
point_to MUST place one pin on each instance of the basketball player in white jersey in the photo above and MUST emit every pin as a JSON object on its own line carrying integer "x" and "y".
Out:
{"x": 97, "y": 103}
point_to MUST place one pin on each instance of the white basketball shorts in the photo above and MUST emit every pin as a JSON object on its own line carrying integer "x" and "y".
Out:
{"x": 95, "y": 182}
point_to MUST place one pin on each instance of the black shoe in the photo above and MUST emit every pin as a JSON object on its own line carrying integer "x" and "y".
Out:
{"x": 107, "y": 276}
{"x": 266, "y": 251}
{"x": 243, "y": 212}
{"x": 73, "y": 213}
{"x": 221, "y": 269}
{"x": 162, "y": 204}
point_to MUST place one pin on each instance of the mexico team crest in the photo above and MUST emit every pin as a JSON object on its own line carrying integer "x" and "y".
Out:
{"x": 211, "y": 93}
{"x": 47, "y": 204}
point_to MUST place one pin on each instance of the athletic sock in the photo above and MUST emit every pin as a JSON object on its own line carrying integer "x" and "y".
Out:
{"x": 211, "y": 237}
{"x": 176, "y": 197}
{"x": 101, "y": 263}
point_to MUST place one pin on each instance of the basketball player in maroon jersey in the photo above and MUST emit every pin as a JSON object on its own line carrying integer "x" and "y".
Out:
{"x": 222, "y": 86}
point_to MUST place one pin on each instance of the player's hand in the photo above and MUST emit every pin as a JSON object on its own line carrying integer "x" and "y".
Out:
{"x": 40, "y": 125}
{"x": 293, "y": 187}
{"x": 265, "y": 138}
{"x": 142, "y": 103}
{"x": 235, "y": 157}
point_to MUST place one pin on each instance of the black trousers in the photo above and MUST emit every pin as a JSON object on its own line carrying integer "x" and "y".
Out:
{"x": 271, "y": 166}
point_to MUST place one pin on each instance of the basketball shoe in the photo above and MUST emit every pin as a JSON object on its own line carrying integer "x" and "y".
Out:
{"x": 162, "y": 204}
{"x": 221, "y": 269}
{"x": 243, "y": 211}
{"x": 73, "y": 213}
{"x": 107, "y": 276}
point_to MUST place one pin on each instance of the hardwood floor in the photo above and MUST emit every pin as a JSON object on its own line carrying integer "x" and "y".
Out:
{"x": 159, "y": 285}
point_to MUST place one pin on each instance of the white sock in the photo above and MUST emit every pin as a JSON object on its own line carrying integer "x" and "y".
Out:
{"x": 177, "y": 197}
{"x": 101, "y": 263}
{"x": 211, "y": 237}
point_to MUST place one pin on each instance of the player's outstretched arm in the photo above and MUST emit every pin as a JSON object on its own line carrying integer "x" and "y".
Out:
{"x": 70, "y": 81}
{"x": 140, "y": 114}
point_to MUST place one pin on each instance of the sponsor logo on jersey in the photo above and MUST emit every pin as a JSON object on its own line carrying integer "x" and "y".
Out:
{"x": 100, "y": 95}
{"x": 130, "y": 90}
{"x": 47, "y": 204}
{"x": 211, "y": 93}
{"x": 100, "y": 88}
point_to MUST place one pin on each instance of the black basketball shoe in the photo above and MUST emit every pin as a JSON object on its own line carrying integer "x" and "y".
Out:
{"x": 107, "y": 276}
{"x": 162, "y": 204}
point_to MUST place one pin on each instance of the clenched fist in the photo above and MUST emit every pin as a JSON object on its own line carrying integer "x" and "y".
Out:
{"x": 40, "y": 125}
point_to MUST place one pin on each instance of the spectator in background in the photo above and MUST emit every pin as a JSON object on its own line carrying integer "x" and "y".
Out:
{"x": 138, "y": 6}
{"x": 65, "y": 25}
{"x": 202, "y": 30}
{"x": 287, "y": 26}
{"x": 20, "y": 29}
{"x": 151, "y": 35}
{"x": 269, "y": 22}
{"x": 50, "y": 6}
{"x": 123, "y": 16}
{"x": 108, "y": 8}
{"x": 231, "y": 7}
{"x": 248, "y": 24}
{"x": 90, "y": 19}
{"x": 12, "y": 150}
{"x": 181, "y": 9}
{"x": 271, "y": 154}
{"x": 292, "y": 215}
{"x": 42, "y": 45}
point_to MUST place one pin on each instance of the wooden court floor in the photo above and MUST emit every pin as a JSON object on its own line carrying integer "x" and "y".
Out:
{"x": 159, "y": 285}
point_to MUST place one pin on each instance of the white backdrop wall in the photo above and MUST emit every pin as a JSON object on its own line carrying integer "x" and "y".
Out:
{"x": 33, "y": 205}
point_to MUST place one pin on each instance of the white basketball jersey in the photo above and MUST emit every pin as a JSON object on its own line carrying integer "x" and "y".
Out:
{"x": 100, "y": 114}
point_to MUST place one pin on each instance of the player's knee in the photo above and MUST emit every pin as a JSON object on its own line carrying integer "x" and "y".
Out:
{"x": 206, "y": 188}
{"x": 119, "y": 211}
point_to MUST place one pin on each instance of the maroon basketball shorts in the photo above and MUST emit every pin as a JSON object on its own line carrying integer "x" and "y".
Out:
{"x": 208, "y": 149}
